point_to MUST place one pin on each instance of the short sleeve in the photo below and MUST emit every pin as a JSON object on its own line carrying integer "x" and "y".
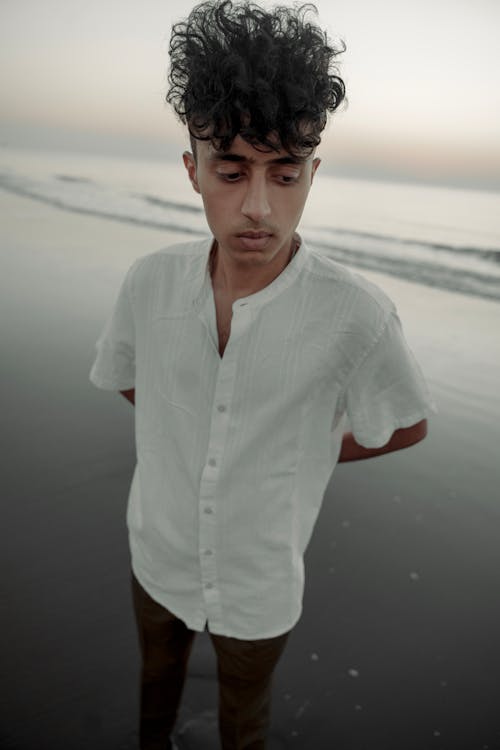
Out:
{"x": 387, "y": 390}
{"x": 114, "y": 366}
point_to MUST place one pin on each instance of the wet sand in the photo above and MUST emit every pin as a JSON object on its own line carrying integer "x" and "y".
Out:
{"x": 397, "y": 647}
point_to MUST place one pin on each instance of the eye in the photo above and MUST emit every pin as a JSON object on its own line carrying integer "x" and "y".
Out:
{"x": 229, "y": 176}
{"x": 287, "y": 179}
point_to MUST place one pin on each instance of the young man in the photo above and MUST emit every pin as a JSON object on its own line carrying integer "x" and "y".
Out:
{"x": 245, "y": 354}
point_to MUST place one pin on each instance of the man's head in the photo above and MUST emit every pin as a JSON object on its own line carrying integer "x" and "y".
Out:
{"x": 254, "y": 88}
{"x": 265, "y": 75}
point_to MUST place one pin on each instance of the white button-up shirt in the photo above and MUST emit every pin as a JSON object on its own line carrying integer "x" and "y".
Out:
{"x": 234, "y": 454}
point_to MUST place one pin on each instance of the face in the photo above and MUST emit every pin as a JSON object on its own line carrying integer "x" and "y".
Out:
{"x": 253, "y": 200}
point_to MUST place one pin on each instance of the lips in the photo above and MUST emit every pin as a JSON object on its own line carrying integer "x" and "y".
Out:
{"x": 255, "y": 235}
{"x": 254, "y": 240}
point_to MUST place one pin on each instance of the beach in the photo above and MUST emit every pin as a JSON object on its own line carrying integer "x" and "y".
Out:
{"x": 397, "y": 646}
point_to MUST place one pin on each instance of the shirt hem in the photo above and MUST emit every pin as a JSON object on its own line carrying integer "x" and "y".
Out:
{"x": 226, "y": 632}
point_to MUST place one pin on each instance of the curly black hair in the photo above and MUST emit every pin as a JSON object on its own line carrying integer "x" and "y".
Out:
{"x": 237, "y": 69}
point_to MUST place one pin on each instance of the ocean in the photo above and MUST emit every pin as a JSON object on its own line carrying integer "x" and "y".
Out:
{"x": 397, "y": 644}
{"x": 447, "y": 238}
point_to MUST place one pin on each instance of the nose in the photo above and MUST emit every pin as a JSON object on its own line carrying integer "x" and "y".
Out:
{"x": 255, "y": 202}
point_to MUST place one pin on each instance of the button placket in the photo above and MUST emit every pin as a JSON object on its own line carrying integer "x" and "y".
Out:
{"x": 215, "y": 451}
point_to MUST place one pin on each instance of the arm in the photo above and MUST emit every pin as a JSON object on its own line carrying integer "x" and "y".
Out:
{"x": 352, "y": 451}
{"x": 129, "y": 395}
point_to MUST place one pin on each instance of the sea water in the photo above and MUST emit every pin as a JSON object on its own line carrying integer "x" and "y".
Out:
{"x": 438, "y": 236}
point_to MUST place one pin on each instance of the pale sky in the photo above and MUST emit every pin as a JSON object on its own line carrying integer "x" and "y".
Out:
{"x": 422, "y": 78}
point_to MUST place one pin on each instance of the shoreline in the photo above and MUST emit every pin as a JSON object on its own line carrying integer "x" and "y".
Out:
{"x": 412, "y": 242}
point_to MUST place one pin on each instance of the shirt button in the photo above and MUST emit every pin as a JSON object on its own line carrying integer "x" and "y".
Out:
{"x": 221, "y": 407}
{"x": 212, "y": 462}
{"x": 208, "y": 510}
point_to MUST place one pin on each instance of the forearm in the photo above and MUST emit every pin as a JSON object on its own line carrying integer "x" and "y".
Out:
{"x": 403, "y": 438}
{"x": 129, "y": 395}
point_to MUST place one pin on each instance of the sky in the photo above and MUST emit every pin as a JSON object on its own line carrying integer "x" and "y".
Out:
{"x": 422, "y": 80}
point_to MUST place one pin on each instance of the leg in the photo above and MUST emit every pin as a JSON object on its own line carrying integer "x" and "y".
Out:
{"x": 245, "y": 670}
{"x": 165, "y": 644}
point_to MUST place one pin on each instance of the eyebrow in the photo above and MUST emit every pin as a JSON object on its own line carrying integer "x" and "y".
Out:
{"x": 238, "y": 158}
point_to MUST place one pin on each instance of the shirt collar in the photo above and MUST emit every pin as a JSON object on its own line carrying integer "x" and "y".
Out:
{"x": 202, "y": 282}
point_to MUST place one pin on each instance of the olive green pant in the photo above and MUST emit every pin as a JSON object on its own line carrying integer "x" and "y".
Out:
{"x": 244, "y": 671}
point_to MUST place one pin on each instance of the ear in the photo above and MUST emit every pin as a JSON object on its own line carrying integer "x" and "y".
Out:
{"x": 315, "y": 165}
{"x": 190, "y": 165}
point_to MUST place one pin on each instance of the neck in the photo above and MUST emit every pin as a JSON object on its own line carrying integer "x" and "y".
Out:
{"x": 236, "y": 283}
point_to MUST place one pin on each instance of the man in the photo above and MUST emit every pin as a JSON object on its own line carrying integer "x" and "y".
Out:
{"x": 245, "y": 354}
